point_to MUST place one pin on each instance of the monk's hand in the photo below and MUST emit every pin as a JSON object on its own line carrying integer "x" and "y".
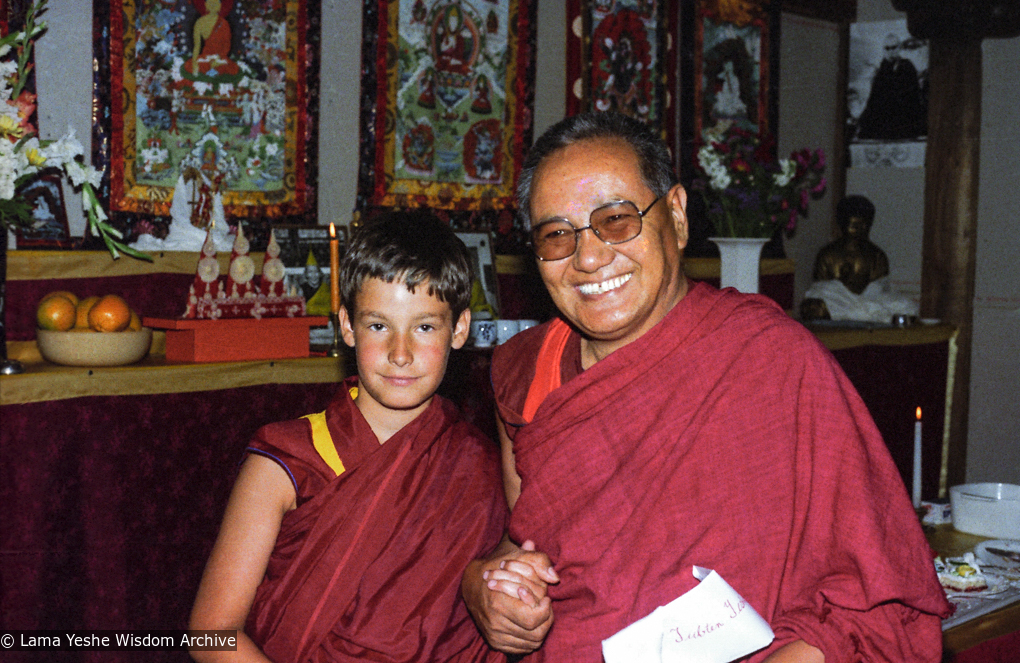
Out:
{"x": 506, "y": 596}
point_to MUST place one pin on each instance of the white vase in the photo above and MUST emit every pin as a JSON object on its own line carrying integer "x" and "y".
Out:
{"x": 739, "y": 260}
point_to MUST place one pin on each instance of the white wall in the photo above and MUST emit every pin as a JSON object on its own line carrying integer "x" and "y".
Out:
{"x": 993, "y": 448}
{"x": 808, "y": 118}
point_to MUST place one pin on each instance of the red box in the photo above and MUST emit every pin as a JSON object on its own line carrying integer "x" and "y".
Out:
{"x": 236, "y": 339}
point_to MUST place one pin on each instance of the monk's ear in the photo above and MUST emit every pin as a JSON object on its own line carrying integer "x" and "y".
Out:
{"x": 461, "y": 329}
{"x": 346, "y": 326}
{"x": 677, "y": 198}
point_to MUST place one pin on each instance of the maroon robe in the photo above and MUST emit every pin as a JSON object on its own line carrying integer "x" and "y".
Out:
{"x": 725, "y": 437}
{"x": 368, "y": 566}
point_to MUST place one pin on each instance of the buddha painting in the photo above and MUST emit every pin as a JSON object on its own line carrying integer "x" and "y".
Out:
{"x": 210, "y": 56}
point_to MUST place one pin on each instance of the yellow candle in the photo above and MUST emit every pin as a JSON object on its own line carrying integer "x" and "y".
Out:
{"x": 334, "y": 270}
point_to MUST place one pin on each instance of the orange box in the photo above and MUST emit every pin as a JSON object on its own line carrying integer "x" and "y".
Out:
{"x": 236, "y": 339}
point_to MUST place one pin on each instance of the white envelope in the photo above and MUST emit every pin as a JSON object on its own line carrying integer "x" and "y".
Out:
{"x": 709, "y": 624}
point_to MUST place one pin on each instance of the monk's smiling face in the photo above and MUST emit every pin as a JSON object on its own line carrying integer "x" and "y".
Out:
{"x": 612, "y": 293}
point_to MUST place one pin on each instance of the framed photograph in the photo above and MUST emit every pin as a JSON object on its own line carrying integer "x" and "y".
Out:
{"x": 49, "y": 216}
{"x": 729, "y": 58}
{"x": 622, "y": 56}
{"x": 447, "y": 101}
{"x": 232, "y": 94}
{"x": 297, "y": 241}
{"x": 480, "y": 247}
{"x": 887, "y": 96}
{"x": 304, "y": 251}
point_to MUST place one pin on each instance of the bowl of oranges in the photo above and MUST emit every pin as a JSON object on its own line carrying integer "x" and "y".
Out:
{"x": 93, "y": 331}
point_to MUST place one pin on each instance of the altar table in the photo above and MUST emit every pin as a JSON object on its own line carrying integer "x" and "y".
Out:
{"x": 113, "y": 483}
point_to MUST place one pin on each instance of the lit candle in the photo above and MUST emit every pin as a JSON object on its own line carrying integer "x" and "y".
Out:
{"x": 334, "y": 270}
{"x": 917, "y": 459}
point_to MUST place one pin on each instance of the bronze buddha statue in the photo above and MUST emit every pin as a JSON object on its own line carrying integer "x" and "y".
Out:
{"x": 853, "y": 259}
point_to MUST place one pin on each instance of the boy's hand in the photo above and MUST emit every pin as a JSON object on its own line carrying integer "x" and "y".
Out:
{"x": 524, "y": 574}
{"x": 506, "y": 595}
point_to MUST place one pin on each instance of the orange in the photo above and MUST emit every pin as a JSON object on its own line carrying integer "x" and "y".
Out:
{"x": 61, "y": 293}
{"x": 55, "y": 313}
{"x": 136, "y": 322}
{"x": 110, "y": 314}
{"x": 81, "y": 319}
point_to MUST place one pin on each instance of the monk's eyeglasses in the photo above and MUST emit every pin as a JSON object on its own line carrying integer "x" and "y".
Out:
{"x": 613, "y": 223}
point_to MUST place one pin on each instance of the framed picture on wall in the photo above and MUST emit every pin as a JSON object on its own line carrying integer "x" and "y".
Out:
{"x": 886, "y": 96}
{"x": 730, "y": 59}
{"x": 480, "y": 247}
{"x": 49, "y": 227}
{"x": 445, "y": 123}
{"x": 622, "y": 56}
{"x": 231, "y": 94}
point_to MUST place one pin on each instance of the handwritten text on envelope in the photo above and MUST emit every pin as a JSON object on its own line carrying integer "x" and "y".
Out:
{"x": 709, "y": 624}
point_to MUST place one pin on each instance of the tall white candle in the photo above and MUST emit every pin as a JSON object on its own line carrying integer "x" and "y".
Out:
{"x": 917, "y": 459}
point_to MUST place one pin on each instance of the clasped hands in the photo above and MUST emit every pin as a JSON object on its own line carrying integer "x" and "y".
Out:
{"x": 506, "y": 594}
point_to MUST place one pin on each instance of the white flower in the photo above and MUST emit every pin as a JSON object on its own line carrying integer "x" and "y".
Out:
{"x": 711, "y": 163}
{"x": 789, "y": 169}
{"x": 63, "y": 150}
{"x": 80, "y": 173}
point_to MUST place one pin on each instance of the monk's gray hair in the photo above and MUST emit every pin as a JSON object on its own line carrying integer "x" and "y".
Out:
{"x": 653, "y": 155}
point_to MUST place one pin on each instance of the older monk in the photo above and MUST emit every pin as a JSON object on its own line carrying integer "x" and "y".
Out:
{"x": 660, "y": 424}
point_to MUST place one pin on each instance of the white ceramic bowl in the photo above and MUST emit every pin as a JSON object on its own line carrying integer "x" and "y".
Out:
{"x": 987, "y": 509}
{"x": 94, "y": 348}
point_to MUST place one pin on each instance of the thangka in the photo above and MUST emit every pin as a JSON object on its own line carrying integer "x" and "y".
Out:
{"x": 226, "y": 87}
{"x": 621, "y": 56}
{"x": 447, "y": 104}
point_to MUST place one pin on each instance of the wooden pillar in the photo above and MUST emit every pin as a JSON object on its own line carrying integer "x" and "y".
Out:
{"x": 952, "y": 163}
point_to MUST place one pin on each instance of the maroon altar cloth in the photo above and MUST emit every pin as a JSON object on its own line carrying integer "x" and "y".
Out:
{"x": 111, "y": 505}
{"x": 162, "y": 295}
{"x": 1004, "y": 649}
{"x": 893, "y": 380}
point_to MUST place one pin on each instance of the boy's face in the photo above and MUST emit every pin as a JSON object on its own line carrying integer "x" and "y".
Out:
{"x": 402, "y": 341}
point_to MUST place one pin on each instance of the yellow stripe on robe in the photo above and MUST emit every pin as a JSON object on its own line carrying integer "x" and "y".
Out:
{"x": 323, "y": 442}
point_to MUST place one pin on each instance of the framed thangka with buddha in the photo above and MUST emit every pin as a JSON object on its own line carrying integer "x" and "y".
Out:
{"x": 448, "y": 92}
{"x": 221, "y": 94}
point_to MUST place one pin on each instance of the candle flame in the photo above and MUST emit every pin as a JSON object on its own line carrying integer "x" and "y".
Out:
{"x": 332, "y": 230}
{"x": 917, "y": 413}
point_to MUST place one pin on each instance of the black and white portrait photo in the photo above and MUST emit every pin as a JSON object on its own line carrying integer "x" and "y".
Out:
{"x": 887, "y": 95}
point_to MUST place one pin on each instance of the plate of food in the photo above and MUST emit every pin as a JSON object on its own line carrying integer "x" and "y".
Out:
{"x": 964, "y": 577}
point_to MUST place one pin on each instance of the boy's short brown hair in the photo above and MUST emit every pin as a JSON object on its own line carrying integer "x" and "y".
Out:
{"x": 413, "y": 246}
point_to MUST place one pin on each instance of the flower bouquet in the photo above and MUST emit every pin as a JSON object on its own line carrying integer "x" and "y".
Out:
{"x": 748, "y": 192}
{"x": 23, "y": 155}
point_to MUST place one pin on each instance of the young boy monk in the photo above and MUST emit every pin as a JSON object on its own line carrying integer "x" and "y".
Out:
{"x": 347, "y": 531}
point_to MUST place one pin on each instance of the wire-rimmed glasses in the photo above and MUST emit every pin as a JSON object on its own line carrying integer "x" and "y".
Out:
{"x": 613, "y": 223}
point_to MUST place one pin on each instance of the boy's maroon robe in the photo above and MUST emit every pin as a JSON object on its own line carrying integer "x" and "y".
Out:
{"x": 725, "y": 437}
{"x": 368, "y": 566}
